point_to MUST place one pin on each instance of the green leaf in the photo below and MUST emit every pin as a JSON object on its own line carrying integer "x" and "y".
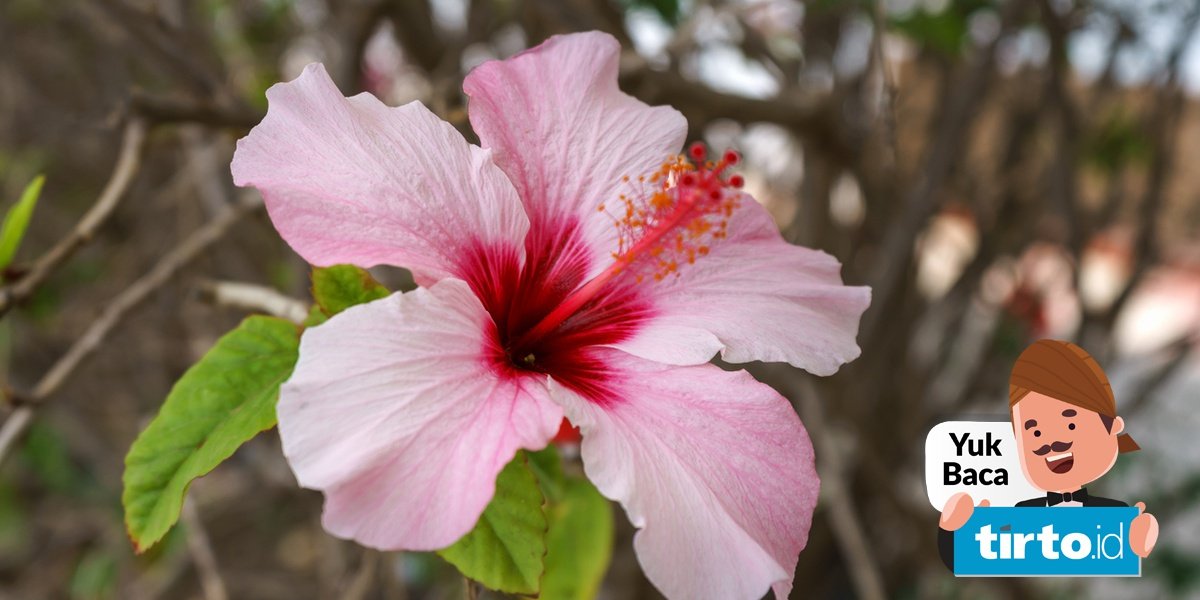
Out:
{"x": 547, "y": 465}
{"x": 667, "y": 9}
{"x": 1118, "y": 141}
{"x": 45, "y": 452}
{"x": 17, "y": 220}
{"x": 945, "y": 30}
{"x": 95, "y": 576}
{"x": 315, "y": 317}
{"x": 579, "y": 543}
{"x": 15, "y": 522}
{"x": 219, "y": 404}
{"x": 339, "y": 287}
{"x": 506, "y": 549}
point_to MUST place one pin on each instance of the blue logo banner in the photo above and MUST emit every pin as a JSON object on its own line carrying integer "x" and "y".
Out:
{"x": 1059, "y": 541}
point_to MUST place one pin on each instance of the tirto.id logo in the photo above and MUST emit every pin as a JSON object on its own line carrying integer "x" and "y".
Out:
{"x": 1072, "y": 546}
{"x": 1046, "y": 541}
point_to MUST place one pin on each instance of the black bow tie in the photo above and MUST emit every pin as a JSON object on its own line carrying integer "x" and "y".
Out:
{"x": 1079, "y": 496}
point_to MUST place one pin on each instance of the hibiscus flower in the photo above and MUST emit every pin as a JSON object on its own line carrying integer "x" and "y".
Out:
{"x": 574, "y": 265}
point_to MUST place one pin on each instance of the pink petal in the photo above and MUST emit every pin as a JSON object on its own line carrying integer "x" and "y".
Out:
{"x": 714, "y": 467}
{"x": 566, "y": 135}
{"x": 754, "y": 297}
{"x": 350, "y": 180}
{"x": 394, "y": 411}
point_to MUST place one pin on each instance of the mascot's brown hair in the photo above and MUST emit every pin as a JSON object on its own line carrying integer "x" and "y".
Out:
{"x": 1067, "y": 373}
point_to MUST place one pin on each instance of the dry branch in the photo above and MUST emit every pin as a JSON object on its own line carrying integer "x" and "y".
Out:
{"x": 202, "y": 554}
{"x": 128, "y": 162}
{"x": 115, "y": 311}
{"x": 896, "y": 250}
{"x": 254, "y": 298}
{"x": 837, "y": 500}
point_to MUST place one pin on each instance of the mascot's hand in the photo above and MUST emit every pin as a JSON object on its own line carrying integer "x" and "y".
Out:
{"x": 1143, "y": 532}
{"x": 958, "y": 510}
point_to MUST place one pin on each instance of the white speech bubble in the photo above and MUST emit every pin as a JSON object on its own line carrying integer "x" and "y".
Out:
{"x": 997, "y": 453}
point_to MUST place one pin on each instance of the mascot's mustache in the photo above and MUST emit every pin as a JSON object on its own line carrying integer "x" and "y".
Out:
{"x": 1056, "y": 446}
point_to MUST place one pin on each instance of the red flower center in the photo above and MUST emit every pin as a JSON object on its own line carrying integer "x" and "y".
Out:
{"x": 547, "y": 318}
{"x": 519, "y": 297}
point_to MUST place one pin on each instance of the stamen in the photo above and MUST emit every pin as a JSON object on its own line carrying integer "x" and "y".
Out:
{"x": 662, "y": 226}
{"x": 670, "y": 218}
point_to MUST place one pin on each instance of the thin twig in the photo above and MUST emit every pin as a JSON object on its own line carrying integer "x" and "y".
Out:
{"x": 254, "y": 298}
{"x": 14, "y": 426}
{"x": 360, "y": 585}
{"x": 156, "y": 580}
{"x": 895, "y": 252}
{"x": 202, "y": 554}
{"x": 128, "y": 161}
{"x": 116, "y": 310}
{"x": 1176, "y": 355}
{"x": 1164, "y": 131}
{"x": 839, "y": 504}
{"x": 1062, "y": 172}
{"x": 165, "y": 46}
{"x": 177, "y": 109}
{"x": 887, "y": 102}
{"x": 811, "y": 116}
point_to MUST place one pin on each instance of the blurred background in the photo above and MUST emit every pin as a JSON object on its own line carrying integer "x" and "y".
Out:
{"x": 998, "y": 171}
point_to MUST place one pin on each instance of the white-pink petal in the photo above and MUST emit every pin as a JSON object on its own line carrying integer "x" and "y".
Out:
{"x": 351, "y": 180}
{"x": 566, "y": 135}
{"x": 713, "y": 467}
{"x": 754, "y": 297}
{"x": 395, "y": 413}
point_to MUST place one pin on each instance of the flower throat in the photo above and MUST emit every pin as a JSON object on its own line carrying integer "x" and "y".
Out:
{"x": 670, "y": 219}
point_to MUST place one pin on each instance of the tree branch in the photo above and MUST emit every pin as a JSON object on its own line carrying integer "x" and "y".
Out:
{"x": 176, "y": 109}
{"x": 839, "y": 503}
{"x": 202, "y": 554}
{"x": 254, "y": 298}
{"x": 111, "y": 316}
{"x": 133, "y": 141}
{"x": 896, "y": 250}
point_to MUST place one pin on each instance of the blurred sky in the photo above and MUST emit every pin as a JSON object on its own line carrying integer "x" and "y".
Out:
{"x": 1157, "y": 25}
